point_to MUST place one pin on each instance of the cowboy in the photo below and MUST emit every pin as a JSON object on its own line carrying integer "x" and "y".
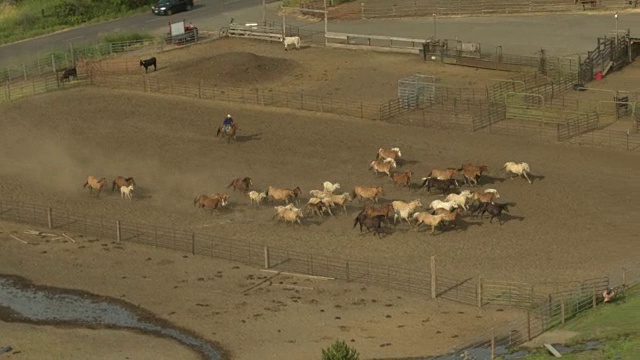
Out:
{"x": 226, "y": 124}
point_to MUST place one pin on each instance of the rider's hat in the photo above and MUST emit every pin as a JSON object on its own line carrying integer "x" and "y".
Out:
{"x": 228, "y": 115}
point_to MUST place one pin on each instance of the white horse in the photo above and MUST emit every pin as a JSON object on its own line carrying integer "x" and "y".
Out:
{"x": 520, "y": 169}
{"x": 437, "y": 204}
{"x": 460, "y": 199}
{"x": 293, "y": 40}
{"x": 329, "y": 187}
{"x": 125, "y": 191}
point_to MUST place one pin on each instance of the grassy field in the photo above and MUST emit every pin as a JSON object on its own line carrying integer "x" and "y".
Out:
{"x": 23, "y": 19}
{"x": 615, "y": 325}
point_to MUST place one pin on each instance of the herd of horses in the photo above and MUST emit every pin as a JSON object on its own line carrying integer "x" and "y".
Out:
{"x": 439, "y": 214}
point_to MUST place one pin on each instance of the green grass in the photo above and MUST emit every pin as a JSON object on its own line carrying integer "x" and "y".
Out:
{"x": 616, "y": 324}
{"x": 23, "y": 19}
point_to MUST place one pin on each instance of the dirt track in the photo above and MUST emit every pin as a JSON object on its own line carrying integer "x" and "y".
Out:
{"x": 559, "y": 228}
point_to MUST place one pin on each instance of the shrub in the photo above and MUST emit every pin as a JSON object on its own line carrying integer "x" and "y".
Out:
{"x": 339, "y": 350}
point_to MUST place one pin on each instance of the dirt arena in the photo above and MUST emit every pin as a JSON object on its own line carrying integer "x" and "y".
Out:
{"x": 579, "y": 209}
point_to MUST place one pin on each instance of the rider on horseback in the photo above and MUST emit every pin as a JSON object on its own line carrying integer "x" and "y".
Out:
{"x": 226, "y": 124}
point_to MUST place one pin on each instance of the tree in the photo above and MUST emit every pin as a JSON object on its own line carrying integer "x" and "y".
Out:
{"x": 339, "y": 350}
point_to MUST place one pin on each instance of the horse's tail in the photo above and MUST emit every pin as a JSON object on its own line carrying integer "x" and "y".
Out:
{"x": 195, "y": 201}
{"x": 218, "y": 132}
{"x": 354, "y": 194}
{"x": 230, "y": 185}
{"x": 85, "y": 184}
{"x": 460, "y": 168}
{"x": 113, "y": 186}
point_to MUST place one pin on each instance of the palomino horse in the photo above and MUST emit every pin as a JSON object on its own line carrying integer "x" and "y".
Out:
{"x": 229, "y": 134}
{"x": 121, "y": 181}
{"x": 283, "y": 194}
{"x": 95, "y": 184}
{"x": 241, "y": 184}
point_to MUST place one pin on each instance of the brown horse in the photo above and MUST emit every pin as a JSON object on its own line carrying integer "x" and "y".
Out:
{"x": 211, "y": 202}
{"x": 95, "y": 184}
{"x": 230, "y": 134}
{"x": 403, "y": 179}
{"x": 121, "y": 181}
{"x": 241, "y": 184}
{"x": 472, "y": 172}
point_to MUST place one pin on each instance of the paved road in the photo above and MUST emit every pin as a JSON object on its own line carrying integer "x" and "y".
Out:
{"x": 558, "y": 34}
{"x": 205, "y": 11}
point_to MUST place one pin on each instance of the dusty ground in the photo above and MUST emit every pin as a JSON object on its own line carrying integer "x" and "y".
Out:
{"x": 579, "y": 208}
{"x": 253, "y": 314}
{"x": 45, "y": 342}
{"x": 555, "y": 232}
{"x": 337, "y": 73}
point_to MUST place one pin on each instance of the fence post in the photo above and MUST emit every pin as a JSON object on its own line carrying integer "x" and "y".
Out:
{"x": 267, "y": 264}
{"x": 595, "y": 297}
{"x": 361, "y": 110}
{"x": 200, "y": 89}
{"x": 118, "y": 231}
{"x": 624, "y": 278}
{"x": 433, "y": 277}
{"x": 562, "y": 309}
{"x": 479, "y": 292}
{"x": 493, "y": 343}
{"x": 50, "y": 218}
{"x": 193, "y": 243}
{"x": 362, "y": 10}
{"x": 528, "y": 325}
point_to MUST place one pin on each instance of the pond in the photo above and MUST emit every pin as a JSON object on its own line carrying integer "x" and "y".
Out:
{"x": 21, "y": 301}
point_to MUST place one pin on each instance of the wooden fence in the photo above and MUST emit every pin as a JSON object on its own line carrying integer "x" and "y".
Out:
{"x": 413, "y": 8}
{"x": 375, "y": 43}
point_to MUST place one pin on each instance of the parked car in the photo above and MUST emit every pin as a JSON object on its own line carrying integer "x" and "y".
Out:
{"x": 168, "y": 7}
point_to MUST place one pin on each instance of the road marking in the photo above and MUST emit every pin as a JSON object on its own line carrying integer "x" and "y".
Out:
{"x": 153, "y": 20}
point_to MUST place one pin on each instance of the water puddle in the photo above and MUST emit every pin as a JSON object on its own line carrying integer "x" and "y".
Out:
{"x": 20, "y": 301}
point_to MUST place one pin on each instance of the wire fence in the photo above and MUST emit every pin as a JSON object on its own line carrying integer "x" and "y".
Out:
{"x": 545, "y": 305}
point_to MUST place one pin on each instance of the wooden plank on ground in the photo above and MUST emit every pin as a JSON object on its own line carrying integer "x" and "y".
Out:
{"x": 552, "y": 350}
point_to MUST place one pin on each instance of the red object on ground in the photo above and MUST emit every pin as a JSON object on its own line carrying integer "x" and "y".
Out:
{"x": 599, "y": 76}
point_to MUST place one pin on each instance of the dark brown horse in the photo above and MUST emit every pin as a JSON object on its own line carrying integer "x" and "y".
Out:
{"x": 229, "y": 134}
{"x": 370, "y": 222}
{"x": 121, "y": 181}
{"x": 241, "y": 184}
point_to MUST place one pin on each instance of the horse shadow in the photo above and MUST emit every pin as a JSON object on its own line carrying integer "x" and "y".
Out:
{"x": 490, "y": 180}
{"x": 535, "y": 178}
{"x": 506, "y": 217}
{"x": 403, "y": 162}
{"x": 245, "y": 138}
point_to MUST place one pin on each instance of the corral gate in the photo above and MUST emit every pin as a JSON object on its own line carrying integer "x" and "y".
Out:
{"x": 417, "y": 89}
